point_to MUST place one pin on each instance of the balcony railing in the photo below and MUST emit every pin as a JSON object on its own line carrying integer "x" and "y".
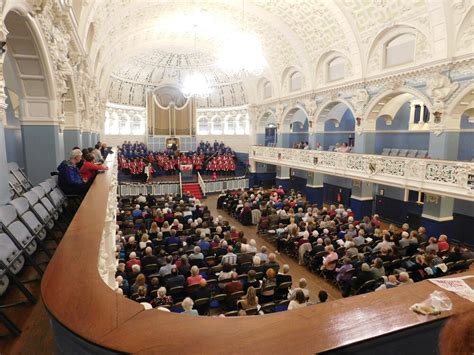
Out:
{"x": 439, "y": 177}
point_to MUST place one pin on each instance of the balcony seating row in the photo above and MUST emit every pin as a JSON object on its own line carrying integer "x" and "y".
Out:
{"x": 408, "y": 153}
{"x": 34, "y": 216}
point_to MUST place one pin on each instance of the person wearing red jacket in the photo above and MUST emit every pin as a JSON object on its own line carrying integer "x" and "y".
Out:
{"x": 89, "y": 169}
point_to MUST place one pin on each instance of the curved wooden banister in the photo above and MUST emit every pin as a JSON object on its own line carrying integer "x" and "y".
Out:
{"x": 76, "y": 296}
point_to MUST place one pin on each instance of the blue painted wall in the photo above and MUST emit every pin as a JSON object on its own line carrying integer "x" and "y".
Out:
{"x": 338, "y": 181}
{"x": 13, "y": 137}
{"x": 333, "y": 134}
{"x": 298, "y": 183}
{"x": 400, "y": 140}
{"x": 466, "y": 141}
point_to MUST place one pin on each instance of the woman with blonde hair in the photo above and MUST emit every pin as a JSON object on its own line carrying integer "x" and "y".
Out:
{"x": 250, "y": 300}
{"x": 195, "y": 278}
{"x": 153, "y": 231}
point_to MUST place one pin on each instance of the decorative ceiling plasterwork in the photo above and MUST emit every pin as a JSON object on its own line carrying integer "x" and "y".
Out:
{"x": 146, "y": 71}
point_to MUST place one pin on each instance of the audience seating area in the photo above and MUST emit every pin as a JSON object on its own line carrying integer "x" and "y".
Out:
{"x": 31, "y": 226}
{"x": 409, "y": 153}
{"x": 171, "y": 249}
{"x": 356, "y": 256}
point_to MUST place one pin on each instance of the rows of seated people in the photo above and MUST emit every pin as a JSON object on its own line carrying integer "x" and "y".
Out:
{"x": 358, "y": 256}
{"x": 32, "y": 224}
{"x": 173, "y": 253}
{"x": 139, "y": 162}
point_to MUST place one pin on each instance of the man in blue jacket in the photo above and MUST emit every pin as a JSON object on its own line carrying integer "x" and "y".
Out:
{"x": 69, "y": 179}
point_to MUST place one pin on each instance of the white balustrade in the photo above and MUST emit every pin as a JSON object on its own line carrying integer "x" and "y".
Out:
{"x": 107, "y": 263}
{"x": 440, "y": 177}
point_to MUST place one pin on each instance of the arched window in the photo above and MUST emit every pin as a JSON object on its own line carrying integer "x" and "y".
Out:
{"x": 125, "y": 124}
{"x": 107, "y": 123}
{"x": 203, "y": 125}
{"x": 400, "y": 50}
{"x": 114, "y": 124}
{"x": 267, "y": 90}
{"x": 336, "y": 69}
{"x": 216, "y": 125}
{"x": 138, "y": 125}
{"x": 229, "y": 124}
{"x": 296, "y": 81}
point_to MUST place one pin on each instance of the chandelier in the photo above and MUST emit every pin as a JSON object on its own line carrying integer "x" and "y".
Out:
{"x": 196, "y": 85}
{"x": 242, "y": 53}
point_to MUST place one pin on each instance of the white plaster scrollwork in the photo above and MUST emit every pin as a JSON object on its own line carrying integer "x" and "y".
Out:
{"x": 439, "y": 87}
{"x": 359, "y": 100}
{"x": 447, "y": 178}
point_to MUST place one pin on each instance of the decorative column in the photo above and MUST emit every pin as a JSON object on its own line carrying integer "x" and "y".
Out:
{"x": 362, "y": 198}
{"x": 314, "y": 188}
{"x": 364, "y": 140}
{"x": 4, "y": 188}
{"x": 283, "y": 177}
{"x": 437, "y": 214}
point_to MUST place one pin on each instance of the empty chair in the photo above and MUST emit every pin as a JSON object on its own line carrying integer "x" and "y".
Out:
{"x": 394, "y": 152}
{"x": 331, "y": 148}
{"x": 20, "y": 176}
{"x": 10, "y": 222}
{"x": 38, "y": 209}
{"x": 402, "y": 152}
{"x": 35, "y": 226}
{"x": 422, "y": 154}
{"x": 53, "y": 194}
{"x": 15, "y": 186}
{"x": 42, "y": 196}
{"x": 412, "y": 153}
{"x": 386, "y": 151}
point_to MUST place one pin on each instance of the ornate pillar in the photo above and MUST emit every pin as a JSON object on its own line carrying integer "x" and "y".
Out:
{"x": 283, "y": 177}
{"x": 314, "y": 188}
{"x": 362, "y": 198}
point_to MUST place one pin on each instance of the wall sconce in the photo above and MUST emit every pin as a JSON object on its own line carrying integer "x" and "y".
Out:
{"x": 310, "y": 123}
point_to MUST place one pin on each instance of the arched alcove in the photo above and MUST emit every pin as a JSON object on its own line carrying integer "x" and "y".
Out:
{"x": 335, "y": 125}
{"x": 295, "y": 128}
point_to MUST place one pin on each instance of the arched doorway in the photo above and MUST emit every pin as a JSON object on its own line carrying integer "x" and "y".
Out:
{"x": 335, "y": 125}
{"x": 267, "y": 130}
{"x": 27, "y": 71}
{"x": 295, "y": 133}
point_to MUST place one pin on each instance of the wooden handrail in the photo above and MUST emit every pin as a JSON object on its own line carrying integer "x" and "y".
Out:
{"x": 75, "y": 295}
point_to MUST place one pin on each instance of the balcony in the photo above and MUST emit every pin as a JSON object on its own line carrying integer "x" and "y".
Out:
{"x": 439, "y": 177}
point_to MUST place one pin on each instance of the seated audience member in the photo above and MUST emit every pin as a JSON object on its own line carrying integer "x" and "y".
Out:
{"x": 187, "y": 305}
{"x": 203, "y": 292}
{"x": 404, "y": 279}
{"x": 272, "y": 263}
{"x": 389, "y": 282}
{"x": 196, "y": 255}
{"x": 149, "y": 258}
{"x": 443, "y": 243}
{"x": 122, "y": 284}
{"x": 250, "y": 300}
{"x": 329, "y": 261}
{"x": 263, "y": 254}
{"x": 174, "y": 279}
{"x": 230, "y": 257}
{"x": 69, "y": 178}
{"x": 166, "y": 269}
{"x": 363, "y": 276}
{"x": 89, "y": 169}
{"x": 235, "y": 285}
{"x": 377, "y": 269}
{"x": 252, "y": 280}
{"x": 133, "y": 260}
{"x": 195, "y": 277}
{"x": 161, "y": 298}
{"x": 225, "y": 275}
{"x": 268, "y": 285}
{"x": 140, "y": 281}
{"x": 457, "y": 335}
{"x": 432, "y": 245}
{"x": 299, "y": 300}
{"x": 322, "y": 296}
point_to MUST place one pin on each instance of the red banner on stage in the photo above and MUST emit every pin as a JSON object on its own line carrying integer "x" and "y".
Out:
{"x": 186, "y": 168}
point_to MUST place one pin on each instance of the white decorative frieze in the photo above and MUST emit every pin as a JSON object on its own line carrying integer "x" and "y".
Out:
{"x": 447, "y": 178}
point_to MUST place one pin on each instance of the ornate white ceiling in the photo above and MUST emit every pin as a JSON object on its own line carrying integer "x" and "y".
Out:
{"x": 147, "y": 70}
{"x": 141, "y": 41}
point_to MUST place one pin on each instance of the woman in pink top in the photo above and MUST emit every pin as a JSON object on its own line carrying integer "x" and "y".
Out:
{"x": 329, "y": 261}
{"x": 195, "y": 278}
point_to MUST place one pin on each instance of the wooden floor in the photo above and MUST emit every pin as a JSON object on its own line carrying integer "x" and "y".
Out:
{"x": 37, "y": 337}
